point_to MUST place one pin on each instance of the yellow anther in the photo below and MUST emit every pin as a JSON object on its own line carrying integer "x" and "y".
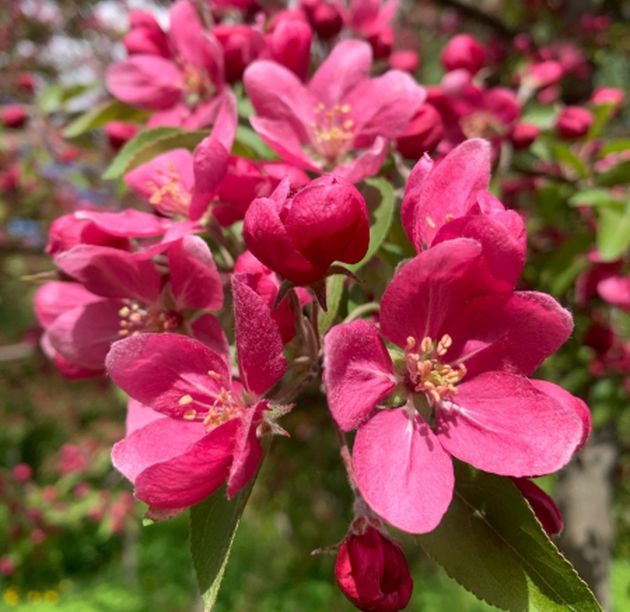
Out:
{"x": 215, "y": 375}
{"x": 123, "y": 332}
{"x": 190, "y": 414}
{"x": 185, "y": 400}
{"x": 444, "y": 344}
{"x": 135, "y": 317}
{"x": 345, "y": 108}
{"x": 124, "y": 311}
{"x": 431, "y": 223}
{"x": 449, "y": 217}
{"x": 426, "y": 346}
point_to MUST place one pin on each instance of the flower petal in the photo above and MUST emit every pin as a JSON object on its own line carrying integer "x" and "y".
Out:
{"x": 54, "y": 298}
{"x": 501, "y": 423}
{"x": 358, "y": 372}
{"x": 513, "y": 332}
{"x": 190, "y": 477}
{"x": 258, "y": 342}
{"x": 429, "y": 289}
{"x": 159, "y": 369}
{"x": 194, "y": 276}
{"x": 402, "y": 471}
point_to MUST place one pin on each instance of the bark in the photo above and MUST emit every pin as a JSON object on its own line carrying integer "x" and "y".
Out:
{"x": 585, "y": 497}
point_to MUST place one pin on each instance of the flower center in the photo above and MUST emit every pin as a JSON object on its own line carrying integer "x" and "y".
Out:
{"x": 481, "y": 124}
{"x": 196, "y": 84}
{"x": 332, "y": 130}
{"x": 135, "y": 318}
{"x": 167, "y": 194}
{"x": 427, "y": 374}
{"x": 225, "y": 406}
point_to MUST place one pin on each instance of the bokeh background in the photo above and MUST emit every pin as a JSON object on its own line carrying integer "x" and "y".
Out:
{"x": 71, "y": 535}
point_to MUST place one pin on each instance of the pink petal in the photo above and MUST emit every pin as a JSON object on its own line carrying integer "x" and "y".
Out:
{"x": 402, "y": 471}
{"x": 194, "y": 276}
{"x": 616, "y": 291}
{"x": 159, "y": 369}
{"x": 429, "y": 289}
{"x": 358, "y": 372}
{"x": 127, "y": 223}
{"x": 503, "y": 239}
{"x": 247, "y": 453}
{"x": 69, "y": 370}
{"x": 54, "y": 298}
{"x": 413, "y": 189}
{"x": 158, "y": 440}
{"x": 139, "y": 415}
{"x": 281, "y": 137}
{"x": 514, "y": 332}
{"x": 192, "y": 476}
{"x": 385, "y": 105}
{"x": 193, "y": 44}
{"x": 208, "y": 329}
{"x": 111, "y": 273}
{"x": 286, "y": 101}
{"x": 258, "y": 342}
{"x": 571, "y": 402}
{"x": 347, "y": 65}
{"x": 367, "y": 164}
{"x": 84, "y": 334}
{"x": 148, "y": 81}
{"x": 501, "y": 423}
{"x": 450, "y": 189}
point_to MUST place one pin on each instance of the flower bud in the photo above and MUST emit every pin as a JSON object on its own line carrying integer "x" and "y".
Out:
{"x": 119, "y": 132}
{"x": 573, "y": 122}
{"x": 146, "y": 35}
{"x": 523, "y": 135}
{"x": 543, "y": 74}
{"x": 22, "y": 472}
{"x": 372, "y": 572}
{"x": 289, "y": 43}
{"x": 405, "y": 59}
{"x": 423, "y": 133}
{"x": 543, "y": 506}
{"x": 301, "y": 236}
{"x": 608, "y": 95}
{"x": 324, "y": 17}
{"x": 13, "y": 116}
{"x": 463, "y": 51}
{"x": 241, "y": 44}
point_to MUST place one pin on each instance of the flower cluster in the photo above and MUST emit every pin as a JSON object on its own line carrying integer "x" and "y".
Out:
{"x": 212, "y": 305}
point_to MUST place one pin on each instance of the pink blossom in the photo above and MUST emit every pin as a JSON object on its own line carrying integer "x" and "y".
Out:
{"x": 404, "y": 59}
{"x": 372, "y": 20}
{"x": 608, "y": 95}
{"x": 22, "y": 472}
{"x": 424, "y": 132}
{"x": 324, "y": 16}
{"x": 449, "y": 199}
{"x": 121, "y": 293}
{"x": 13, "y": 116}
{"x": 463, "y": 52}
{"x": 289, "y": 42}
{"x": 372, "y": 571}
{"x": 181, "y": 88}
{"x": 146, "y": 36}
{"x": 119, "y": 132}
{"x": 210, "y": 431}
{"x": 470, "y": 111}
{"x": 523, "y": 135}
{"x": 573, "y": 122}
{"x": 300, "y": 236}
{"x": 242, "y": 44}
{"x": 616, "y": 291}
{"x": 341, "y": 120}
{"x": 461, "y": 385}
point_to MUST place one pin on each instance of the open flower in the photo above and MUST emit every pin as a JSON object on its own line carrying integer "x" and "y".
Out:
{"x": 342, "y": 120}
{"x": 460, "y": 375}
{"x": 182, "y": 88}
{"x": 450, "y": 199}
{"x": 208, "y": 431}
{"x": 120, "y": 294}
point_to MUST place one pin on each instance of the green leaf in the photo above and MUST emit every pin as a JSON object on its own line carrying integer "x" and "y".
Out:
{"x": 379, "y": 196}
{"x": 617, "y": 175}
{"x": 149, "y": 144}
{"x": 564, "y": 154}
{"x": 250, "y": 145}
{"x": 613, "y": 233}
{"x": 615, "y": 145}
{"x": 593, "y": 197}
{"x": 334, "y": 291}
{"x": 112, "y": 110}
{"x": 213, "y": 525}
{"x": 491, "y": 543}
